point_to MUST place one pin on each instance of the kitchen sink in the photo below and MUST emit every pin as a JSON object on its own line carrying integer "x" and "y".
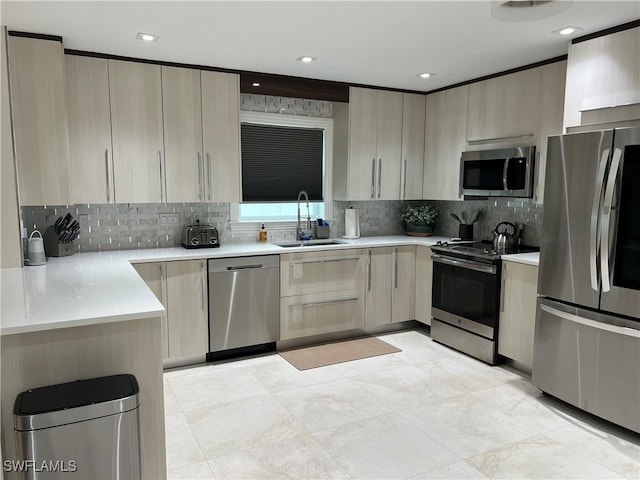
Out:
{"x": 309, "y": 243}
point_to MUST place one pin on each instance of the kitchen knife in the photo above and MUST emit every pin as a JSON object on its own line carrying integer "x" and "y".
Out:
{"x": 57, "y": 226}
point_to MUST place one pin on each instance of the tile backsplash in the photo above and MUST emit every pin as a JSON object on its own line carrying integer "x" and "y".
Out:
{"x": 128, "y": 226}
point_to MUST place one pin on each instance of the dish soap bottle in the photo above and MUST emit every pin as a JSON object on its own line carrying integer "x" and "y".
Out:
{"x": 263, "y": 234}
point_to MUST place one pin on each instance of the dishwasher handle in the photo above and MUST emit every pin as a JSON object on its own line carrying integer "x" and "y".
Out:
{"x": 246, "y": 267}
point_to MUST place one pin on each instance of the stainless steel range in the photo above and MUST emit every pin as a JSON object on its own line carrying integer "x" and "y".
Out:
{"x": 466, "y": 297}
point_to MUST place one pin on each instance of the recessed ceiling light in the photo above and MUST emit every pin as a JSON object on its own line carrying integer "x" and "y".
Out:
{"x": 426, "y": 75}
{"x": 306, "y": 59}
{"x": 147, "y": 37}
{"x": 255, "y": 84}
{"x": 567, "y": 30}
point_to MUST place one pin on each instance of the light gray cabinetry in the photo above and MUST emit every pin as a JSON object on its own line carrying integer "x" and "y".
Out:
{"x": 136, "y": 126}
{"x": 518, "y": 312}
{"x": 40, "y": 126}
{"x": 603, "y": 81}
{"x": 413, "y": 131}
{"x": 445, "y": 140}
{"x": 424, "y": 281}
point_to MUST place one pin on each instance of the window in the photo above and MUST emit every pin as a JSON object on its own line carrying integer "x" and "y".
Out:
{"x": 283, "y": 154}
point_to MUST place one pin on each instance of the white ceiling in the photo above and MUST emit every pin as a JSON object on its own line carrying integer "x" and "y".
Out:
{"x": 383, "y": 43}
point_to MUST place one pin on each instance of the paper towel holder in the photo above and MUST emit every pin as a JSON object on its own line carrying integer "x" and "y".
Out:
{"x": 355, "y": 219}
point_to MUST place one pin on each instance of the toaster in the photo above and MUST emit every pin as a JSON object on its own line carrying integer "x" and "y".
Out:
{"x": 200, "y": 236}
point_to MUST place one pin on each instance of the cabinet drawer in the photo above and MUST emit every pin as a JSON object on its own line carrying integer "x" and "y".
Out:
{"x": 328, "y": 271}
{"x": 307, "y": 315}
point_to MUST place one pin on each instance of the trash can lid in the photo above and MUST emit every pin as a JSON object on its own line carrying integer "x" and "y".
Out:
{"x": 75, "y": 394}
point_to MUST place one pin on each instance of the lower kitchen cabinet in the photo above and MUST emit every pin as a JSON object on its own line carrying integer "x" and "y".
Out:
{"x": 390, "y": 285}
{"x": 182, "y": 288}
{"x": 424, "y": 280}
{"x": 321, "y": 292}
{"x": 518, "y": 312}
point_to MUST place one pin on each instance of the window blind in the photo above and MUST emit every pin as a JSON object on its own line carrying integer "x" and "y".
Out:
{"x": 279, "y": 161}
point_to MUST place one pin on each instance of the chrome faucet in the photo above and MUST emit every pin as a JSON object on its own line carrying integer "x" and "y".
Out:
{"x": 299, "y": 231}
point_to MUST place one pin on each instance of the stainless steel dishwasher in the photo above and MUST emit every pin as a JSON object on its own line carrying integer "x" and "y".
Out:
{"x": 244, "y": 302}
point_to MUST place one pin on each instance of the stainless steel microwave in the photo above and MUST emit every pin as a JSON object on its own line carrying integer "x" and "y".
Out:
{"x": 504, "y": 172}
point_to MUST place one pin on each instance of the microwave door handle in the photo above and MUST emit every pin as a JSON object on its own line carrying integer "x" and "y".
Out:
{"x": 606, "y": 220}
{"x": 594, "y": 236}
{"x": 505, "y": 172}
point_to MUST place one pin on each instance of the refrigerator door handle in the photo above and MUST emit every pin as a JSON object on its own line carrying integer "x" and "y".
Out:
{"x": 595, "y": 213}
{"x": 606, "y": 221}
{"x": 629, "y": 332}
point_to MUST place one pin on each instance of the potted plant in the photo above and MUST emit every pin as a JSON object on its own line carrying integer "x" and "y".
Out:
{"x": 466, "y": 220}
{"x": 419, "y": 220}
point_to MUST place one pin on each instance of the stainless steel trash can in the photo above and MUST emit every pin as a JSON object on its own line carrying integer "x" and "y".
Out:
{"x": 86, "y": 429}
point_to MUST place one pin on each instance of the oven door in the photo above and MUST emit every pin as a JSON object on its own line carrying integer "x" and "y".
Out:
{"x": 466, "y": 294}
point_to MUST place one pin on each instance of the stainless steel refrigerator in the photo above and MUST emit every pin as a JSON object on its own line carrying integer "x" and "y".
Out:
{"x": 587, "y": 336}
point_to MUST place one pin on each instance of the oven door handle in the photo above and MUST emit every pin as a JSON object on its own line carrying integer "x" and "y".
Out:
{"x": 470, "y": 265}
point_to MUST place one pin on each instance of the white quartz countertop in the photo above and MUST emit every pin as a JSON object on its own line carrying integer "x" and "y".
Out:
{"x": 532, "y": 258}
{"x": 99, "y": 287}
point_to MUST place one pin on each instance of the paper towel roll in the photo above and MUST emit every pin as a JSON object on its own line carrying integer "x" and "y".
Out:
{"x": 351, "y": 223}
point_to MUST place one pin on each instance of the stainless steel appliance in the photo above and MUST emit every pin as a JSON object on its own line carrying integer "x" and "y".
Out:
{"x": 587, "y": 337}
{"x": 244, "y": 302}
{"x": 200, "y": 236}
{"x": 505, "y": 172}
{"x": 466, "y": 297}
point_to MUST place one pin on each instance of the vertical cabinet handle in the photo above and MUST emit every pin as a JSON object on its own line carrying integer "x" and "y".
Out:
{"x": 379, "y": 177}
{"x": 208, "y": 188}
{"x": 106, "y": 167}
{"x": 395, "y": 262}
{"x": 161, "y": 175}
{"x": 404, "y": 179}
{"x": 203, "y": 269}
{"x": 200, "y": 173}
{"x": 373, "y": 178}
{"x": 369, "y": 276}
{"x": 502, "y": 284}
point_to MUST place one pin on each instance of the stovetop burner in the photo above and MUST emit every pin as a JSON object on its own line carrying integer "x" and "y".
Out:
{"x": 478, "y": 250}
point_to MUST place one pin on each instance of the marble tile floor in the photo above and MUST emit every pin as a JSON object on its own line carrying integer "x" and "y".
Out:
{"x": 427, "y": 412}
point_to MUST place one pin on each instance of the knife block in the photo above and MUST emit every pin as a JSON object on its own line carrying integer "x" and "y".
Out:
{"x": 54, "y": 248}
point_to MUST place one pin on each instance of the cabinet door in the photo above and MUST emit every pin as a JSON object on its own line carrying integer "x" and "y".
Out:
{"x": 413, "y": 129}
{"x": 445, "y": 140}
{"x": 136, "y": 127}
{"x": 182, "y": 120}
{"x": 378, "y": 286}
{"x": 504, "y": 108}
{"x": 87, "y": 86}
{"x": 187, "y": 307}
{"x": 154, "y": 276}
{"x": 363, "y": 153}
{"x": 403, "y": 289}
{"x": 221, "y": 132}
{"x": 40, "y": 128}
{"x": 424, "y": 281}
{"x": 389, "y": 145}
{"x": 518, "y": 312}
{"x": 326, "y": 271}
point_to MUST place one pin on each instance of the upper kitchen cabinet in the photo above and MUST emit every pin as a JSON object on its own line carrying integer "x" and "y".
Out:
{"x": 91, "y": 160}
{"x": 136, "y": 126}
{"x": 446, "y": 134}
{"x": 603, "y": 81}
{"x": 413, "y": 121}
{"x": 221, "y": 136}
{"x": 368, "y": 146}
{"x": 182, "y": 119}
{"x": 41, "y": 135}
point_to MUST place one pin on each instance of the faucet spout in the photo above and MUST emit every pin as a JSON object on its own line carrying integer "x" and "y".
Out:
{"x": 299, "y": 231}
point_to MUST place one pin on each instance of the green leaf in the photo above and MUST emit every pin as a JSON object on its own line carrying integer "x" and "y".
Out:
{"x": 456, "y": 217}
{"x": 465, "y": 216}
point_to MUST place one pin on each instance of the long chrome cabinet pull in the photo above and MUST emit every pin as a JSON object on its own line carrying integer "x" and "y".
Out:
{"x": 106, "y": 166}
{"x": 379, "y": 177}
{"x": 395, "y": 267}
{"x": 373, "y": 178}
{"x": 502, "y": 283}
{"x": 200, "y": 173}
{"x": 404, "y": 179}
{"x": 324, "y": 260}
{"x": 595, "y": 215}
{"x": 203, "y": 269}
{"x": 325, "y": 302}
{"x": 161, "y": 175}
{"x": 606, "y": 221}
{"x": 369, "y": 276}
{"x": 166, "y": 193}
{"x": 208, "y": 187}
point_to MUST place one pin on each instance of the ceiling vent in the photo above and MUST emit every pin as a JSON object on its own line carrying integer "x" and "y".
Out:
{"x": 527, "y": 10}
